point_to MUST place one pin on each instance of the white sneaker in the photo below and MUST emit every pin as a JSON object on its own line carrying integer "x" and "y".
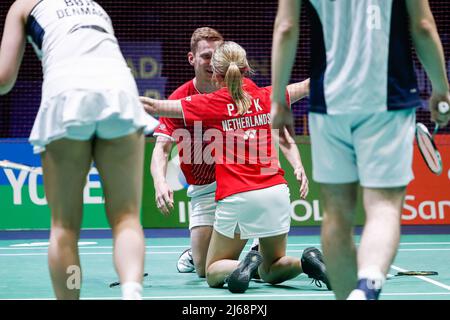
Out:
{"x": 185, "y": 263}
{"x": 357, "y": 294}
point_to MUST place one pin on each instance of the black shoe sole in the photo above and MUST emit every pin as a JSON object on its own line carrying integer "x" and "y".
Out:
{"x": 238, "y": 281}
{"x": 235, "y": 282}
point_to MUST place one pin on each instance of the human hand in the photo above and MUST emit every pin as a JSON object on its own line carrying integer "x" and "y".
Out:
{"x": 300, "y": 175}
{"x": 149, "y": 105}
{"x": 438, "y": 115}
{"x": 164, "y": 198}
{"x": 282, "y": 119}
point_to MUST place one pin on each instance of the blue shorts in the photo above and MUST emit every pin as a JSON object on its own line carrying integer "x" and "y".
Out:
{"x": 375, "y": 149}
{"x": 110, "y": 128}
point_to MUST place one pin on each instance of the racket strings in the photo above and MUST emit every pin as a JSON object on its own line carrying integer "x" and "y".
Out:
{"x": 428, "y": 149}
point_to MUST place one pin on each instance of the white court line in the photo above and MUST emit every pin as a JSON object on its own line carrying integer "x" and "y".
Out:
{"x": 90, "y": 247}
{"x": 436, "y": 283}
{"x": 425, "y": 249}
{"x": 420, "y": 243}
{"x": 45, "y": 244}
{"x": 177, "y": 252}
{"x": 258, "y": 296}
{"x": 401, "y": 243}
{"x": 82, "y": 253}
{"x": 184, "y": 246}
{"x": 422, "y": 249}
{"x": 283, "y": 295}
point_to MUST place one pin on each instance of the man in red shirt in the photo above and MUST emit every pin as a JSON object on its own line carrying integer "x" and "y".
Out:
{"x": 200, "y": 175}
{"x": 252, "y": 195}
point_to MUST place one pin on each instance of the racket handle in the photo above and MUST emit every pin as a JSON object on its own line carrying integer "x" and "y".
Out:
{"x": 443, "y": 107}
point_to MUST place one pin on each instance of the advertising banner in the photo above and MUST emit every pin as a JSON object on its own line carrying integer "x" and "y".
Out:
{"x": 23, "y": 204}
{"x": 22, "y": 198}
{"x": 428, "y": 195}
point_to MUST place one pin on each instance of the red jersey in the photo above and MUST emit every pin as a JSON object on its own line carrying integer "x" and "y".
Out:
{"x": 196, "y": 171}
{"x": 242, "y": 144}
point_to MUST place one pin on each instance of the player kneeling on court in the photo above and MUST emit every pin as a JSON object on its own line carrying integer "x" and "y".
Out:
{"x": 253, "y": 199}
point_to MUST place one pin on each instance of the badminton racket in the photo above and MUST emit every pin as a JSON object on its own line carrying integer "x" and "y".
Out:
{"x": 18, "y": 166}
{"x": 417, "y": 273}
{"x": 425, "y": 142}
{"x": 414, "y": 273}
{"x": 115, "y": 284}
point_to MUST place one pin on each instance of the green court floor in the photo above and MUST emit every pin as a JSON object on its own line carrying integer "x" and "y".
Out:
{"x": 24, "y": 273}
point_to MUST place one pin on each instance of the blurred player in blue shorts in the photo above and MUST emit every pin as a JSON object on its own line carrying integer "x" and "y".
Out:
{"x": 362, "y": 117}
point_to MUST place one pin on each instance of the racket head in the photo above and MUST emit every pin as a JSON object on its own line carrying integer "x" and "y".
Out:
{"x": 117, "y": 283}
{"x": 428, "y": 149}
{"x": 417, "y": 273}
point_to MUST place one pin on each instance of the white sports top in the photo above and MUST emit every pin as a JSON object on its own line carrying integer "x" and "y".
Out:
{"x": 361, "y": 59}
{"x": 86, "y": 77}
{"x": 76, "y": 37}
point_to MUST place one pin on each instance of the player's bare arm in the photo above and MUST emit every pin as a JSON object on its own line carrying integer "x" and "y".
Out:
{"x": 290, "y": 151}
{"x": 284, "y": 48}
{"x": 163, "y": 108}
{"x": 12, "y": 46}
{"x": 158, "y": 168}
{"x": 430, "y": 52}
{"x": 298, "y": 90}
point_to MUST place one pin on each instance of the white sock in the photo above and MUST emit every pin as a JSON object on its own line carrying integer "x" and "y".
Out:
{"x": 131, "y": 291}
{"x": 255, "y": 242}
{"x": 372, "y": 273}
{"x": 370, "y": 278}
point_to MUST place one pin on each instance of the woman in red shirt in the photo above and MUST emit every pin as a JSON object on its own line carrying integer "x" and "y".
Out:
{"x": 252, "y": 195}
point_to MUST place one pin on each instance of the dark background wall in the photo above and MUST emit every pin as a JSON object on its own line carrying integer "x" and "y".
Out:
{"x": 169, "y": 25}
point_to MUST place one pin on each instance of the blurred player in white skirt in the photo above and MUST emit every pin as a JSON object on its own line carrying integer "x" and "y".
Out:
{"x": 89, "y": 112}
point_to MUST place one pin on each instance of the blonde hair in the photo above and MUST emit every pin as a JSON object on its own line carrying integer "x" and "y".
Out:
{"x": 204, "y": 33}
{"x": 230, "y": 61}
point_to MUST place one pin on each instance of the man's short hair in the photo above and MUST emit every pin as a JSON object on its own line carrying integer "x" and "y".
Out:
{"x": 204, "y": 33}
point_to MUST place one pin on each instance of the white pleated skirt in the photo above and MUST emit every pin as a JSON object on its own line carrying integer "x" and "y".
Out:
{"x": 81, "y": 113}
